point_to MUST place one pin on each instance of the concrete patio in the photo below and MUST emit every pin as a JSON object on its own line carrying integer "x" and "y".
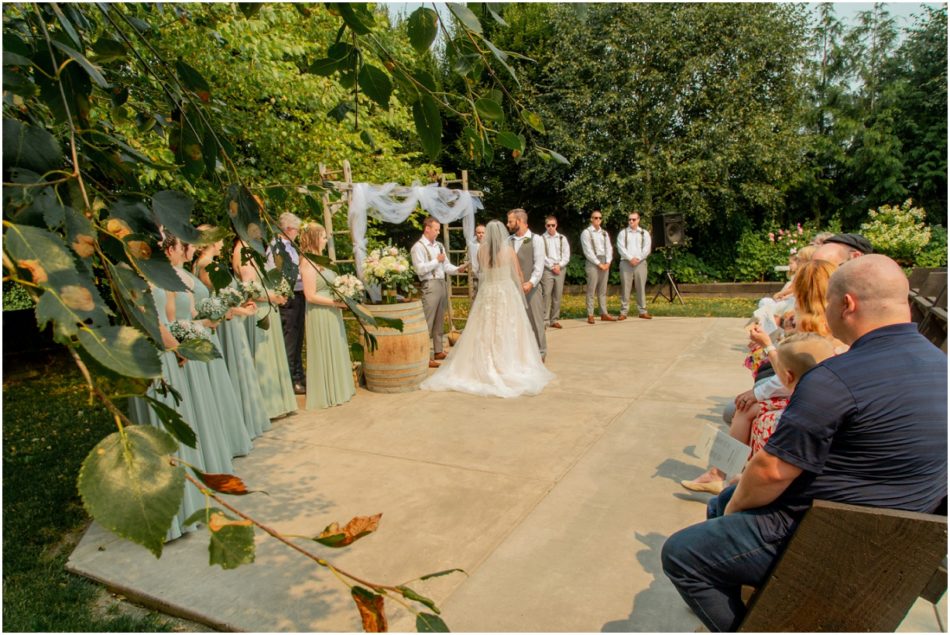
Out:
{"x": 556, "y": 506}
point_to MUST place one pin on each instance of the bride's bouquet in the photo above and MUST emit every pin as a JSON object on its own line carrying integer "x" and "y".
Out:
{"x": 389, "y": 268}
{"x": 349, "y": 286}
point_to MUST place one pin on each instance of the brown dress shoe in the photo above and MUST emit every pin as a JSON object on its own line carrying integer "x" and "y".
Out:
{"x": 621, "y": 318}
{"x": 607, "y": 318}
{"x": 434, "y": 364}
{"x": 590, "y": 319}
{"x": 440, "y": 355}
{"x": 645, "y": 316}
{"x": 557, "y": 325}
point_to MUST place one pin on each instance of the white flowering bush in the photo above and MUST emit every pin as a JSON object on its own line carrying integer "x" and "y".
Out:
{"x": 898, "y": 232}
{"x": 349, "y": 286}
{"x": 389, "y": 268}
{"x": 212, "y": 308}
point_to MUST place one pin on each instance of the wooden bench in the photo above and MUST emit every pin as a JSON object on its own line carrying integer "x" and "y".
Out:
{"x": 926, "y": 295}
{"x": 851, "y": 568}
{"x": 934, "y": 324}
{"x": 919, "y": 275}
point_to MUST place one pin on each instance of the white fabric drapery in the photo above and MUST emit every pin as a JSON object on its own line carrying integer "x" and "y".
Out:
{"x": 387, "y": 204}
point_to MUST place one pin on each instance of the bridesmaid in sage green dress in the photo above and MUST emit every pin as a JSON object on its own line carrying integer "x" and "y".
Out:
{"x": 235, "y": 350}
{"x": 267, "y": 346}
{"x": 329, "y": 370}
{"x": 141, "y": 412}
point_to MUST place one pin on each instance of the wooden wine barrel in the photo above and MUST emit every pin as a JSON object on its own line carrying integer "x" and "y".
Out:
{"x": 401, "y": 361}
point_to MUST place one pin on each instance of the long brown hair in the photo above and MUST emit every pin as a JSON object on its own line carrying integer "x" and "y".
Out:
{"x": 310, "y": 234}
{"x": 810, "y": 287}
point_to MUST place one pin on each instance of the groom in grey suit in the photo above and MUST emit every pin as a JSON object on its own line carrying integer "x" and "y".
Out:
{"x": 530, "y": 250}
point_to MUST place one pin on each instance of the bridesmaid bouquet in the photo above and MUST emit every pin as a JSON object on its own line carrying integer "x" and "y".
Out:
{"x": 389, "y": 268}
{"x": 283, "y": 288}
{"x": 212, "y": 308}
{"x": 251, "y": 289}
{"x": 186, "y": 330}
{"x": 194, "y": 341}
{"x": 349, "y": 286}
{"x": 230, "y": 296}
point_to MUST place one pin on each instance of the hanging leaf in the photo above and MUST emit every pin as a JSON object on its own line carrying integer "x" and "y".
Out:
{"x": 193, "y": 80}
{"x": 511, "y": 141}
{"x": 325, "y": 66}
{"x": 533, "y": 120}
{"x": 438, "y": 574}
{"x": 129, "y": 486}
{"x": 423, "y": 27}
{"x": 502, "y": 58}
{"x": 338, "y": 113}
{"x": 497, "y": 17}
{"x": 357, "y": 16}
{"x": 108, "y": 50}
{"x": 198, "y": 350}
{"x": 489, "y": 109}
{"x": 172, "y": 422}
{"x": 172, "y": 210}
{"x": 136, "y": 214}
{"x": 559, "y": 157}
{"x": 371, "y": 608}
{"x": 376, "y": 84}
{"x": 425, "y": 114}
{"x": 359, "y": 526}
{"x": 146, "y": 255}
{"x": 232, "y": 541}
{"x": 244, "y": 210}
{"x": 67, "y": 25}
{"x": 136, "y": 299}
{"x": 250, "y": 9}
{"x": 409, "y": 594}
{"x": 468, "y": 19}
{"x": 47, "y": 203}
{"x": 30, "y": 148}
{"x": 223, "y": 483}
{"x": 122, "y": 349}
{"x": 429, "y": 623}
{"x": 84, "y": 62}
{"x": 219, "y": 275}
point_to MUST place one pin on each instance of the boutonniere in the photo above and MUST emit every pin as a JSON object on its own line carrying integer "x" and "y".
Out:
{"x": 527, "y": 239}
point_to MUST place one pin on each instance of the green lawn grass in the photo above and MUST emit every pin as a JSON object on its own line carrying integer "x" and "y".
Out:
{"x": 48, "y": 428}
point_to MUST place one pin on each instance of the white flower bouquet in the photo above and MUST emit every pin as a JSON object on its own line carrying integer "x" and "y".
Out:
{"x": 186, "y": 330}
{"x": 251, "y": 289}
{"x": 231, "y": 296}
{"x": 389, "y": 268}
{"x": 212, "y": 308}
{"x": 283, "y": 288}
{"x": 349, "y": 286}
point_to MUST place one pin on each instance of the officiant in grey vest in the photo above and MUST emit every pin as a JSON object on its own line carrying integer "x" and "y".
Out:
{"x": 530, "y": 251}
{"x": 432, "y": 266}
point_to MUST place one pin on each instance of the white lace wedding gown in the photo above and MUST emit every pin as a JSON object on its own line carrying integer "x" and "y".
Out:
{"x": 497, "y": 354}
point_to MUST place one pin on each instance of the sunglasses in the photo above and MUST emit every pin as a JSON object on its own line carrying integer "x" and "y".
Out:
{"x": 632, "y": 219}
{"x": 550, "y": 225}
{"x": 595, "y": 217}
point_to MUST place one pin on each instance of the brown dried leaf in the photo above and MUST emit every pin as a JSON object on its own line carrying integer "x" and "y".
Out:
{"x": 233, "y": 208}
{"x": 118, "y": 227}
{"x": 218, "y": 521}
{"x": 84, "y": 245}
{"x": 371, "y": 608}
{"x": 140, "y": 249}
{"x": 77, "y": 298}
{"x": 334, "y": 536}
{"x": 224, "y": 483}
{"x": 36, "y": 270}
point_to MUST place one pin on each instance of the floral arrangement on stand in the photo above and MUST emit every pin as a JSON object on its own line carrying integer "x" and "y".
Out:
{"x": 389, "y": 268}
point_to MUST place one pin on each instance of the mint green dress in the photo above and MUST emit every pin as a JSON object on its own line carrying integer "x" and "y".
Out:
{"x": 141, "y": 412}
{"x": 229, "y": 406}
{"x": 329, "y": 370}
{"x": 270, "y": 360}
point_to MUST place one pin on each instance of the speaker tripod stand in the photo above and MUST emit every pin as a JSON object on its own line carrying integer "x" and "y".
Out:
{"x": 667, "y": 283}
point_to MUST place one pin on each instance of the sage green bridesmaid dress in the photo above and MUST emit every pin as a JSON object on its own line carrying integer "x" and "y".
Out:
{"x": 329, "y": 369}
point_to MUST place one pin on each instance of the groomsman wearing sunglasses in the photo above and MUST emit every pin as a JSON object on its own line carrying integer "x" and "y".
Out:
{"x": 557, "y": 253}
{"x": 598, "y": 252}
{"x": 633, "y": 245}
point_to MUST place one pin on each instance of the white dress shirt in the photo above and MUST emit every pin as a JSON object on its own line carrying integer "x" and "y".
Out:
{"x": 596, "y": 243}
{"x": 557, "y": 251}
{"x": 291, "y": 251}
{"x": 425, "y": 255}
{"x": 538, "y": 247}
{"x": 633, "y": 244}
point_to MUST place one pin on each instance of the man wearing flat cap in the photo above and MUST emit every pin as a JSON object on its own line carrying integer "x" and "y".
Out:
{"x": 841, "y": 248}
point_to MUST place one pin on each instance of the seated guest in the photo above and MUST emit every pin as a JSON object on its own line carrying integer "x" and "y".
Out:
{"x": 868, "y": 427}
{"x": 843, "y": 247}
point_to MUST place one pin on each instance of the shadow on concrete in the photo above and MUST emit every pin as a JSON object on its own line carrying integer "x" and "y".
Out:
{"x": 658, "y": 608}
{"x": 676, "y": 470}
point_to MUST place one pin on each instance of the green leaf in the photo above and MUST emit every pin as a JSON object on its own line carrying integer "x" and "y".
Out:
{"x": 356, "y": 352}
{"x": 356, "y": 16}
{"x": 152, "y": 263}
{"x": 30, "y": 148}
{"x": 136, "y": 215}
{"x": 136, "y": 299}
{"x": 232, "y": 541}
{"x": 376, "y": 84}
{"x": 425, "y": 78}
{"x": 409, "y": 594}
{"x": 83, "y": 61}
{"x": 250, "y": 9}
{"x": 559, "y": 157}
{"x": 511, "y": 141}
{"x": 219, "y": 275}
{"x": 46, "y": 202}
{"x": 173, "y": 423}
{"x": 198, "y": 350}
{"x": 325, "y": 66}
{"x": 108, "y": 50}
{"x": 533, "y": 120}
{"x": 172, "y": 211}
{"x": 438, "y": 574}
{"x": 67, "y": 25}
{"x": 465, "y": 16}
{"x": 193, "y": 80}
{"x": 425, "y": 114}
{"x": 429, "y": 623}
{"x": 502, "y": 58}
{"x": 489, "y": 109}
{"x": 423, "y": 27}
{"x": 497, "y": 17}
{"x": 245, "y": 214}
{"x": 122, "y": 349}
{"x": 129, "y": 486}
{"x": 338, "y": 113}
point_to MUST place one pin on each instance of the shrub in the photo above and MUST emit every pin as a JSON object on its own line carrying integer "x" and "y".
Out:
{"x": 935, "y": 253}
{"x": 15, "y": 297}
{"x": 759, "y": 252}
{"x": 898, "y": 232}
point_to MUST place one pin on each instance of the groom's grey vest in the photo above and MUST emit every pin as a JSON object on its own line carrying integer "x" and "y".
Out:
{"x": 526, "y": 260}
{"x": 533, "y": 298}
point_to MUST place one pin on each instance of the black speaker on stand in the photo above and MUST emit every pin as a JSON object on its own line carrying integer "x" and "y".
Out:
{"x": 669, "y": 232}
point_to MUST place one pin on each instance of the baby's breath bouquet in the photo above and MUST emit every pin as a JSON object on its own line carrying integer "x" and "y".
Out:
{"x": 212, "y": 308}
{"x": 283, "y": 288}
{"x": 389, "y": 268}
{"x": 186, "y": 330}
{"x": 231, "y": 296}
{"x": 349, "y": 286}
{"x": 194, "y": 340}
{"x": 251, "y": 289}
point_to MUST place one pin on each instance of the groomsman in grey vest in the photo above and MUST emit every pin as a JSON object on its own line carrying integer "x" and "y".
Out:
{"x": 557, "y": 253}
{"x": 595, "y": 241}
{"x": 530, "y": 251}
{"x": 432, "y": 266}
{"x": 633, "y": 245}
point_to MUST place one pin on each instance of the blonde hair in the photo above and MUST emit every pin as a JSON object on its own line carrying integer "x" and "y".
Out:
{"x": 805, "y": 254}
{"x": 810, "y": 287}
{"x": 310, "y": 233}
{"x": 800, "y": 352}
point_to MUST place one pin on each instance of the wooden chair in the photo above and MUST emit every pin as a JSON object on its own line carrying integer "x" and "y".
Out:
{"x": 919, "y": 275}
{"x": 851, "y": 568}
{"x": 934, "y": 324}
{"x": 921, "y": 301}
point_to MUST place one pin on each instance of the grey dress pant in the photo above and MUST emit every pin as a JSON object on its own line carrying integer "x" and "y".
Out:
{"x": 435, "y": 302}
{"x": 552, "y": 288}
{"x": 636, "y": 275}
{"x": 536, "y": 318}
{"x": 596, "y": 281}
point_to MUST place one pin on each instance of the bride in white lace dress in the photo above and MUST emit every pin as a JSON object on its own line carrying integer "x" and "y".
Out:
{"x": 497, "y": 354}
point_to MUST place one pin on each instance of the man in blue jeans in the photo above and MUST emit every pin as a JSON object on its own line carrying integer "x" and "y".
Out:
{"x": 868, "y": 427}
